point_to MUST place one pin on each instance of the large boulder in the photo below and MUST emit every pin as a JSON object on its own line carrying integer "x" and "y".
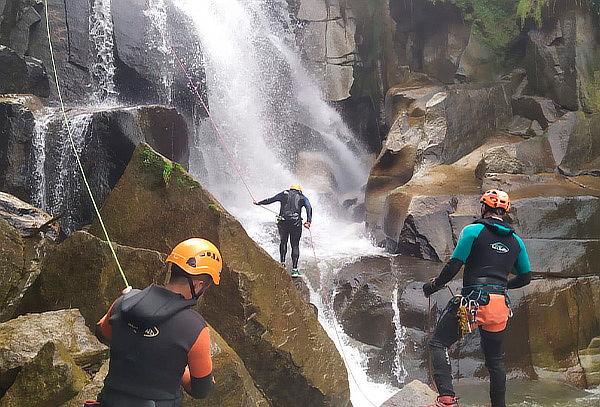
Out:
{"x": 234, "y": 386}
{"x": 51, "y": 378}
{"x": 91, "y": 390}
{"x": 590, "y": 362}
{"x": 21, "y": 254}
{"x": 83, "y": 260}
{"x": 27, "y": 219}
{"x": 582, "y": 154}
{"x": 13, "y": 72}
{"x": 256, "y": 307}
{"x": 528, "y": 157}
{"x": 22, "y": 338}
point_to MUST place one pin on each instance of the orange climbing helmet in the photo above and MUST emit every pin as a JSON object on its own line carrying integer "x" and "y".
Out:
{"x": 297, "y": 187}
{"x": 494, "y": 198}
{"x": 198, "y": 256}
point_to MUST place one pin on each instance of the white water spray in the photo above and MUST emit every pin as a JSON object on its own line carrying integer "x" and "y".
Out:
{"x": 158, "y": 44}
{"x": 102, "y": 67}
{"x": 38, "y": 141}
{"x": 399, "y": 369}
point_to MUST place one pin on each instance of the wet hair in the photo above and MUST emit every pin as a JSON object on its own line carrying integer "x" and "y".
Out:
{"x": 179, "y": 276}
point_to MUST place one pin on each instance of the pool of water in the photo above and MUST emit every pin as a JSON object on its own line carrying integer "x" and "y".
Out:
{"x": 529, "y": 394}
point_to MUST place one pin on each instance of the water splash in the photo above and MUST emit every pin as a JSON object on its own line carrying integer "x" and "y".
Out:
{"x": 65, "y": 186}
{"x": 399, "y": 369}
{"x": 102, "y": 68}
{"x": 38, "y": 140}
{"x": 158, "y": 44}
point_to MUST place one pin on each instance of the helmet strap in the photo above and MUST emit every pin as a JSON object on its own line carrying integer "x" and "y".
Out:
{"x": 195, "y": 295}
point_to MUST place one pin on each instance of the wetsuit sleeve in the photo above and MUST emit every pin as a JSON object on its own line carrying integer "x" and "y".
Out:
{"x": 197, "y": 379}
{"x": 104, "y": 328}
{"x": 308, "y": 208}
{"x": 276, "y": 198}
{"x": 460, "y": 255}
{"x": 462, "y": 251}
{"x": 522, "y": 266}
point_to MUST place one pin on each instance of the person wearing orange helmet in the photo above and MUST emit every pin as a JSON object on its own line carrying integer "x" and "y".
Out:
{"x": 490, "y": 250}
{"x": 289, "y": 221}
{"x": 158, "y": 343}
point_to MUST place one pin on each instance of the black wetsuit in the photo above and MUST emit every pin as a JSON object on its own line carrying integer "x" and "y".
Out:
{"x": 290, "y": 221}
{"x": 154, "y": 335}
{"x": 490, "y": 251}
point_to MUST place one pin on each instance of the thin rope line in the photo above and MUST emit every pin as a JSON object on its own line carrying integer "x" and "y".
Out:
{"x": 74, "y": 148}
{"x": 337, "y": 333}
{"x": 219, "y": 135}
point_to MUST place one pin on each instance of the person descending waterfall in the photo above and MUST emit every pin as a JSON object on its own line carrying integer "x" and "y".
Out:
{"x": 158, "y": 343}
{"x": 289, "y": 221}
{"x": 490, "y": 251}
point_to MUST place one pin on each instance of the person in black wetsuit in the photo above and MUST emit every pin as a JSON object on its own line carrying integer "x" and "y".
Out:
{"x": 158, "y": 343}
{"x": 490, "y": 251}
{"x": 290, "y": 221}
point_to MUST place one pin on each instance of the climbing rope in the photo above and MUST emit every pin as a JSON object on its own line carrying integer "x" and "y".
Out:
{"x": 337, "y": 334}
{"x": 74, "y": 149}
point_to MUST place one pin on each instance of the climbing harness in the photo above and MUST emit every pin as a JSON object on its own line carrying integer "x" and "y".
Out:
{"x": 76, "y": 154}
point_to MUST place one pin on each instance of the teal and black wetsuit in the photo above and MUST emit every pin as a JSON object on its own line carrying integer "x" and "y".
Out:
{"x": 490, "y": 251}
{"x": 290, "y": 221}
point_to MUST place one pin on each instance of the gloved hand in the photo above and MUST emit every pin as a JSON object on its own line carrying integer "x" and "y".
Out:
{"x": 254, "y": 202}
{"x": 430, "y": 287}
{"x": 307, "y": 225}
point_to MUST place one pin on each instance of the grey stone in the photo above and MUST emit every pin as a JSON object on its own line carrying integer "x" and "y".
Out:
{"x": 565, "y": 258}
{"x": 519, "y": 126}
{"x": 583, "y": 151}
{"x": 23, "y": 337}
{"x": 536, "y": 108}
{"x": 25, "y": 218}
{"x": 528, "y": 157}
{"x": 37, "y": 78}
{"x": 313, "y": 10}
{"x": 415, "y": 393}
{"x": 338, "y": 82}
{"x": 13, "y": 72}
{"x": 78, "y": 22}
{"x": 313, "y": 40}
{"x": 559, "y": 133}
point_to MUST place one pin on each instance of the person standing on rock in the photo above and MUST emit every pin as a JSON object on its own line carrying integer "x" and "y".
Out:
{"x": 490, "y": 251}
{"x": 158, "y": 343}
{"x": 289, "y": 222}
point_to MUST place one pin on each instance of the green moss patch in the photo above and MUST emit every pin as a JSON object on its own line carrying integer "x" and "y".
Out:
{"x": 591, "y": 93}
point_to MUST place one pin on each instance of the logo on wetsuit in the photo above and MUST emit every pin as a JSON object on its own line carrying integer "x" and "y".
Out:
{"x": 148, "y": 333}
{"x": 500, "y": 247}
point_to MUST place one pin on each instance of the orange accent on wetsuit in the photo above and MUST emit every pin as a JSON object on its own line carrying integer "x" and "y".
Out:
{"x": 104, "y": 325}
{"x": 199, "y": 360}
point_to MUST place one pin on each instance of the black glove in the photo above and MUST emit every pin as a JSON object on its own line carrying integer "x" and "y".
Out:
{"x": 430, "y": 287}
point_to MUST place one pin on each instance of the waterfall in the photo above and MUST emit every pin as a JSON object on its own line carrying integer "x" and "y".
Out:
{"x": 38, "y": 140}
{"x": 64, "y": 186}
{"x": 399, "y": 369}
{"x": 102, "y": 67}
{"x": 158, "y": 43}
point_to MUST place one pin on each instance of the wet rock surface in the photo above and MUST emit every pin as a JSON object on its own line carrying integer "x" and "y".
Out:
{"x": 256, "y": 307}
{"x": 415, "y": 393}
{"x": 50, "y": 378}
{"x": 22, "y": 338}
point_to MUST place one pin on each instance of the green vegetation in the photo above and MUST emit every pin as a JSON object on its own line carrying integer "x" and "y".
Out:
{"x": 591, "y": 92}
{"x": 215, "y": 209}
{"x": 531, "y": 9}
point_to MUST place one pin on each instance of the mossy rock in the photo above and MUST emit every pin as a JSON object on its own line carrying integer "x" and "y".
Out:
{"x": 255, "y": 307}
{"x": 49, "y": 379}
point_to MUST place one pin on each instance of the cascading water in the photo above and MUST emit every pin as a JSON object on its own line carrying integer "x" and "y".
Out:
{"x": 399, "y": 369}
{"x": 38, "y": 178}
{"x": 102, "y": 67}
{"x": 269, "y": 110}
{"x": 158, "y": 43}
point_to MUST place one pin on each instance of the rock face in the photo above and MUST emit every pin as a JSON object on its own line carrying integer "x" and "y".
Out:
{"x": 91, "y": 390}
{"x": 559, "y": 56}
{"x": 27, "y": 219}
{"x": 22, "y": 338}
{"x": 255, "y": 307}
{"x": 51, "y": 378}
{"x": 84, "y": 260}
{"x": 234, "y": 386}
{"x": 21, "y": 255}
{"x": 40, "y": 165}
{"x": 327, "y": 38}
{"x": 17, "y": 122}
